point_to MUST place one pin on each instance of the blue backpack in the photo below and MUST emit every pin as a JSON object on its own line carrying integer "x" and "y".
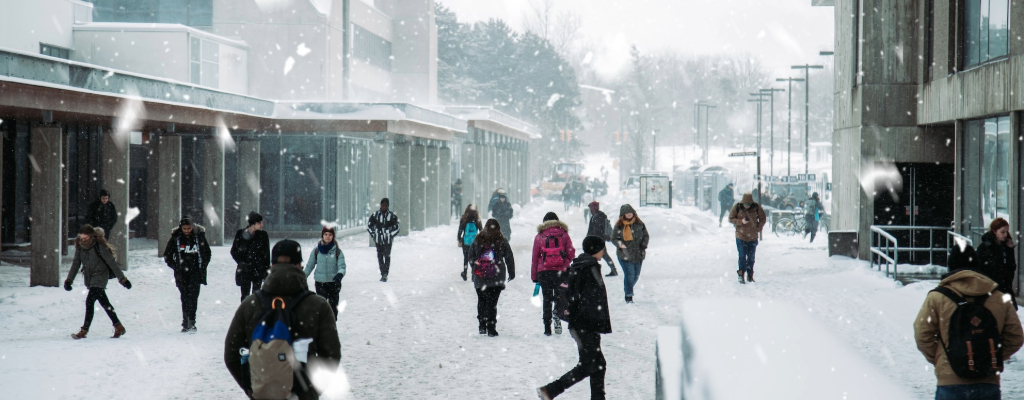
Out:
{"x": 273, "y": 370}
{"x": 469, "y": 235}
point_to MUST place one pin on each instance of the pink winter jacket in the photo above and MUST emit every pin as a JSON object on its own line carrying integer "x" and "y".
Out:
{"x": 551, "y": 228}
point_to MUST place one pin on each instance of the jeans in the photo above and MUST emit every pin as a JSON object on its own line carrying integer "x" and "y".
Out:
{"x": 746, "y": 250}
{"x": 592, "y": 365}
{"x": 189, "y": 301}
{"x": 548, "y": 280}
{"x": 631, "y": 272}
{"x": 974, "y": 391}
{"x": 487, "y": 305}
{"x": 249, "y": 287}
{"x": 90, "y": 302}
{"x": 384, "y": 258}
{"x": 331, "y": 292}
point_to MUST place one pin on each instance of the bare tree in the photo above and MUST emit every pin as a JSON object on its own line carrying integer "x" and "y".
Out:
{"x": 539, "y": 18}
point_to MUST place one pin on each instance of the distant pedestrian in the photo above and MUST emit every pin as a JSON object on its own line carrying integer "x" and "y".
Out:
{"x": 95, "y": 257}
{"x": 502, "y": 212}
{"x": 588, "y": 318}
{"x": 631, "y": 238}
{"x": 567, "y": 195}
{"x": 469, "y": 227}
{"x": 552, "y": 253}
{"x": 251, "y": 252}
{"x": 456, "y": 197}
{"x": 494, "y": 199}
{"x": 383, "y": 227}
{"x": 102, "y": 214}
{"x": 492, "y": 263}
{"x": 749, "y": 219}
{"x": 997, "y": 257}
{"x": 188, "y": 253}
{"x": 725, "y": 199}
{"x": 601, "y": 227}
{"x": 328, "y": 261}
{"x": 813, "y": 212}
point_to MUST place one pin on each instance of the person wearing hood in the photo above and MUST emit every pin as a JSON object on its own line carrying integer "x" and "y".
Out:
{"x": 469, "y": 227}
{"x": 588, "y": 319}
{"x": 494, "y": 199}
{"x": 932, "y": 326}
{"x": 314, "y": 319}
{"x": 328, "y": 261}
{"x": 492, "y": 263}
{"x": 726, "y": 198}
{"x": 456, "y": 197}
{"x": 749, "y": 219}
{"x": 251, "y": 252}
{"x": 996, "y": 256}
{"x": 95, "y": 257}
{"x": 812, "y": 214}
{"x": 630, "y": 237}
{"x": 552, "y": 253}
{"x": 502, "y": 212}
{"x": 601, "y": 227}
{"x": 188, "y": 254}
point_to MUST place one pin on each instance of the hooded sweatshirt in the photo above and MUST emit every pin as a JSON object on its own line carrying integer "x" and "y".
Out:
{"x": 556, "y": 230}
{"x": 754, "y": 215}
{"x": 636, "y": 249}
{"x": 589, "y": 305}
{"x": 932, "y": 323}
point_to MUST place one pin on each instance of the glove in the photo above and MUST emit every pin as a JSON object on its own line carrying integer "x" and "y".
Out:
{"x": 337, "y": 278}
{"x": 126, "y": 283}
{"x": 67, "y": 285}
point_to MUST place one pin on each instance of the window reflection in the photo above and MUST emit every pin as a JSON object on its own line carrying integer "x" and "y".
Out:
{"x": 986, "y": 28}
{"x": 995, "y": 169}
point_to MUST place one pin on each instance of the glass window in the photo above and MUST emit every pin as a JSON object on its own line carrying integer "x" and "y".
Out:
{"x": 986, "y": 28}
{"x": 995, "y": 167}
{"x": 301, "y": 175}
{"x": 370, "y": 48}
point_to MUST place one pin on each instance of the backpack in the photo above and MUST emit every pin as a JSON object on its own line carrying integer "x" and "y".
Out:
{"x": 485, "y": 266}
{"x": 272, "y": 367}
{"x": 975, "y": 348}
{"x": 469, "y": 234}
{"x": 552, "y": 256}
{"x": 566, "y": 293}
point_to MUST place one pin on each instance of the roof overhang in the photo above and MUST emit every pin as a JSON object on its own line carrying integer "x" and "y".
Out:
{"x": 489, "y": 119}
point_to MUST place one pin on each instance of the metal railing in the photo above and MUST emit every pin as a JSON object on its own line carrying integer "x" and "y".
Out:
{"x": 885, "y": 248}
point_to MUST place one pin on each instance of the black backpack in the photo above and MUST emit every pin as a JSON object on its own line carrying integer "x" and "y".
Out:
{"x": 975, "y": 348}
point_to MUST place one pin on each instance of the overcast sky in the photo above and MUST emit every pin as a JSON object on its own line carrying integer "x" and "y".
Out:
{"x": 781, "y": 32}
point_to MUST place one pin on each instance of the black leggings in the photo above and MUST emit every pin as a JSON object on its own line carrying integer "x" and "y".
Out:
{"x": 548, "y": 282}
{"x": 487, "y": 305}
{"x": 465, "y": 256}
{"x": 90, "y": 302}
{"x": 330, "y": 291}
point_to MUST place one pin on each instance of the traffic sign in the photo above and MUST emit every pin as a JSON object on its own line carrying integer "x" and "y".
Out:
{"x": 743, "y": 154}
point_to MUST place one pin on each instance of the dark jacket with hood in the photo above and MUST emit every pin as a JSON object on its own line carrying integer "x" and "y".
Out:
{"x": 102, "y": 215}
{"x": 251, "y": 252}
{"x": 635, "y": 250}
{"x": 188, "y": 256}
{"x": 96, "y": 262}
{"x": 599, "y": 225}
{"x": 558, "y": 231}
{"x": 996, "y": 262}
{"x": 503, "y": 259}
{"x": 314, "y": 319}
{"x": 727, "y": 197}
{"x": 502, "y": 210}
{"x": 588, "y": 309}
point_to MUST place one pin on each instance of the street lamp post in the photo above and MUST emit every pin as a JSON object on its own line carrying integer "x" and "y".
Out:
{"x": 789, "y": 124}
{"x": 807, "y": 110}
{"x": 707, "y": 116}
{"x": 707, "y": 141}
{"x": 759, "y": 100}
{"x": 771, "y": 128}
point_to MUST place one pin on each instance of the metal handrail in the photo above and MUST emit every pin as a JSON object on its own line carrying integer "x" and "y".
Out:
{"x": 890, "y": 250}
{"x": 891, "y": 245}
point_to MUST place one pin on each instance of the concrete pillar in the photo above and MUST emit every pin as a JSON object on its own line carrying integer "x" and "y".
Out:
{"x": 116, "y": 158}
{"x": 401, "y": 185}
{"x": 47, "y": 219}
{"x": 153, "y": 188}
{"x": 445, "y": 176}
{"x": 248, "y": 180}
{"x": 169, "y": 208}
{"x": 344, "y": 184}
{"x": 470, "y": 175}
{"x": 213, "y": 191}
{"x": 418, "y": 188}
{"x": 380, "y": 177}
{"x": 433, "y": 187}
{"x": 65, "y": 193}
{"x": 484, "y": 194}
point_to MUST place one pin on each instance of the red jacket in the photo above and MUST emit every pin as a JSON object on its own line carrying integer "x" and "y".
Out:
{"x": 557, "y": 229}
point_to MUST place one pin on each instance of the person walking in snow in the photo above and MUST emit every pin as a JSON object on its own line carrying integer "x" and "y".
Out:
{"x": 329, "y": 263}
{"x": 383, "y": 227}
{"x": 456, "y": 197}
{"x": 95, "y": 257}
{"x": 567, "y": 194}
{"x": 813, "y": 211}
{"x": 932, "y": 329}
{"x": 251, "y": 251}
{"x": 492, "y": 263}
{"x": 102, "y": 214}
{"x": 602, "y": 228}
{"x": 469, "y": 227}
{"x": 494, "y": 199}
{"x": 996, "y": 256}
{"x": 749, "y": 219}
{"x": 188, "y": 254}
{"x": 630, "y": 237}
{"x": 502, "y": 212}
{"x": 552, "y": 253}
{"x": 725, "y": 199}
{"x": 588, "y": 319}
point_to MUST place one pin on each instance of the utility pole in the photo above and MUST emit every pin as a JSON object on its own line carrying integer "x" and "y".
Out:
{"x": 707, "y": 141}
{"x": 707, "y": 116}
{"x": 807, "y": 110}
{"x": 759, "y": 100}
{"x": 789, "y": 124}
{"x": 771, "y": 128}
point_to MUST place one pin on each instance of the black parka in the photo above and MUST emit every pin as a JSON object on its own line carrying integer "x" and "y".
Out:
{"x": 188, "y": 256}
{"x": 252, "y": 254}
{"x": 996, "y": 262}
{"x": 588, "y": 307}
{"x": 102, "y": 215}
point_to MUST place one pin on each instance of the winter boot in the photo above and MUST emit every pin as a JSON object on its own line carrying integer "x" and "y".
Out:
{"x": 464, "y": 274}
{"x": 614, "y": 272}
{"x": 558, "y": 327}
{"x": 483, "y": 328}
{"x": 740, "y": 273}
{"x": 812, "y": 236}
{"x": 118, "y": 331}
{"x": 184, "y": 325}
{"x": 547, "y": 329}
{"x": 80, "y": 335}
{"x": 542, "y": 393}
{"x": 383, "y": 278}
{"x": 750, "y": 276}
{"x": 629, "y": 299}
{"x": 491, "y": 331}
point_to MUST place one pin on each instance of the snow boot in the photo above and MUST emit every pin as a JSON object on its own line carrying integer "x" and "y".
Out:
{"x": 383, "y": 278}
{"x": 80, "y": 335}
{"x": 118, "y": 331}
{"x": 750, "y": 276}
{"x": 547, "y": 329}
{"x": 740, "y": 274}
{"x": 812, "y": 236}
{"x": 629, "y": 299}
{"x": 483, "y": 328}
{"x": 464, "y": 274}
{"x": 542, "y": 393}
{"x": 614, "y": 272}
{"x": 491, "y": 331}
{"x": 558, "y": 327}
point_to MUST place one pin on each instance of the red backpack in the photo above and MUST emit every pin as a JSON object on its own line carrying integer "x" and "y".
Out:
{"x": 552, "y": 254}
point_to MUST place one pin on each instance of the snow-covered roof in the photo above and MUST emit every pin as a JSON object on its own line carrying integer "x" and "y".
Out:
{"x": 145, "y": 27}
{"x": 483, "y": 113}
{"x": 322, "y": 6}
{"x": 343, "y": 111}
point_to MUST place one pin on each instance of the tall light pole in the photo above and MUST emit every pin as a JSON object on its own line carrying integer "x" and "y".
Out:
{"x": 758, "y": 100}
{"x": 704, "y": 145}
{"x": 789, "y": 124}
{"x": 807, "y": 110}
{"x": 771, "y": 128}
{"x": 707, "y": 142}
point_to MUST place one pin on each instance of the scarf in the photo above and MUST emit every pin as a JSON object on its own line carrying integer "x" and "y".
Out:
{"x": 627, "y": 231}
{"x": 324, "y": 248}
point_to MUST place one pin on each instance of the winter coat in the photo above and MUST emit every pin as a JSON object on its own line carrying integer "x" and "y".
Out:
{"x": 726, "y": 197}
{"x": 383, "y": 227}
{"x": 600, "y": 226}
{"x": 503, "y": 259}
{"x": 756, "y": 219}
{"x": 314, "y": 319}
{"x": 813, "y": 207}
{"x": 102, "y": 215}
{"x": 252, "y": 254}
{"x": 635, "y": 250}
{"x": 326, "y": 265}
{"x": 996, "y": 262}
{"x": 559, "y": 231}
{"x": 503, "y": 213}
{"x": 588, "y": 309}
{"x": 494, "y": 200}
{"x": 462, "y": 230}
{"x": 96, "y": 263}
{"x": 188, "y": 256}
{"x": 932, "y": 323}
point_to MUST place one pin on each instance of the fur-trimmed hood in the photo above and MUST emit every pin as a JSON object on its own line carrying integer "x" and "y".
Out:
{"x": 552, "y": 224}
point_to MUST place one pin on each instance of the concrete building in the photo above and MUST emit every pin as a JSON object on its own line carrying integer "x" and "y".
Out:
{"x": 928, "y": 102}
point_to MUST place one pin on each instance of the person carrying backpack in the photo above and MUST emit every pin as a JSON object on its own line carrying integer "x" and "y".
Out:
{"x": 469, "y": 227}
{"x": 492, "y": 263}
{"x": 253, "y": 362}
{"x": 552, "y": 254}
{"x": 583, "y": 303}
{"x": 95, "y": 257}
{"x": 602, "y": 228}
{"x": 329, "y": 263}
{"x": 966, "y": 328}
{"x": 813, "y": 212}
{"x": 251, "y": 252}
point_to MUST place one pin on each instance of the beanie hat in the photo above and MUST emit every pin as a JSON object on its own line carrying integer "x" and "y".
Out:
{"x": 254, "y": 218}
{"x": 385, "y": 201}
{"x": 86, "y": 230}
{"x": 550, "y": 216}
{"x": 184, "y": 221}
{"x": 593, "y": 245}
{"x": 325, "y": 230}
{"x": 104, "y": 192}
{"x": 966, "y": 258}
{"x": 287, "y": 248}
{"x": 594, "y": 206}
